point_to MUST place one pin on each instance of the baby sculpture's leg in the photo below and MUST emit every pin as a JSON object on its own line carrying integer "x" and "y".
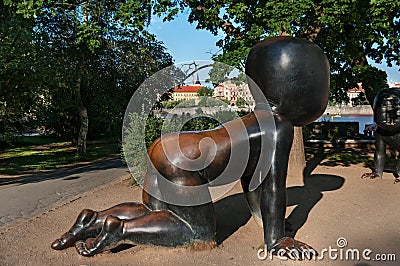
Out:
{"x": 274, "y": 199}
{"x": 161, "y": 228}
{"x": 395, "y": 143}
{"x": 253, "y": 199}
{"x": 171, "y": 226}
{"x": 89, "y": 223}
{"x": 379, "y": 158}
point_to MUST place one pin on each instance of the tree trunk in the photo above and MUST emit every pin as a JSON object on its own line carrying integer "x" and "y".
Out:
{"x": 369, "y": 90}
{"x": 297, "y": 158}
{"x": 84, "y": 120}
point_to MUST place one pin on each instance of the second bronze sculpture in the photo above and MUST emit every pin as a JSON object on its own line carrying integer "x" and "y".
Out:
{"x": 386, "y": 108}
{"x": 293, "y": 74}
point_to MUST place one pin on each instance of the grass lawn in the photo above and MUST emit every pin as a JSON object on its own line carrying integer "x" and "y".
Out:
{"x": 32, "y": 154}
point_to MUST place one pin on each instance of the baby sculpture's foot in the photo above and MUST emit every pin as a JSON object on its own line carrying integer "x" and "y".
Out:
{"x": 80, "y": 230}
{"x": 109, "y": 237}
{"x": 293, "y": 249}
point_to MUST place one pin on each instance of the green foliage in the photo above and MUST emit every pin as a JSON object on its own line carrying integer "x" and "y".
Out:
{"x": 152, "y": 129}
{"x": 170, "y": 104}
{"x": 200, "y": 123}
{"x": 17, "y": 70}
{"x": 242, "y": 113}
{"x": 210, "y": 102}
{"x": 361, "y": 99}
{"x": 219, "y": 74}
{"x": 224, "y": 116}
{"x": 199, "y": 111}
{"x": 240, "y": 102}
{"x": 348, "y": 31}
{"x": 9, "y": 140}
{"x": 187, "y": 103}
{"x": 142, "y": 130}
{"x": 64, "y": 55}
{"x": 134, "y": 148}
{"x": 373, "y": 80}
{"x": 203, "y": 122}
{"x": 204, "y": 91}
{"x": 92, "y": 19}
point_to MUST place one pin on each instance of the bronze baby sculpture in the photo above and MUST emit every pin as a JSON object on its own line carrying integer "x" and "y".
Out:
{"x": 293, "y": 74}
{"x": 386, "y": 108}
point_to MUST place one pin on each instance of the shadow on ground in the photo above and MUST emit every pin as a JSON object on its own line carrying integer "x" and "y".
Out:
{"x": 343, "y": 156}
{"x": 100, "y": 164}
{"x": 307, "y": 196}
{"x": 348, "y": 157}
{"x": 232, "y": 212}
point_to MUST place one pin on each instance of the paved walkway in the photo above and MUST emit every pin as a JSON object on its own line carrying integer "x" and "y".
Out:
{"x": 26, "y": 197}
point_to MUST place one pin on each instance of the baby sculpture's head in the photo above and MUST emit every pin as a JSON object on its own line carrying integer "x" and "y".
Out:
{"x": 387, "y": 109}
{"x": 293, "y": 74}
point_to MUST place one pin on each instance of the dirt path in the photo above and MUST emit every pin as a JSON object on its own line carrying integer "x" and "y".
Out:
{"x": 333, "y": 203}
{"x": 28, "y": 196}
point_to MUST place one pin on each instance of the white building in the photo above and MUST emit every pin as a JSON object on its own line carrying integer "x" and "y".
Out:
{"x": 232, "y": 92}
{"x": 354, "y": 92}
{"x": 394, "y": 84}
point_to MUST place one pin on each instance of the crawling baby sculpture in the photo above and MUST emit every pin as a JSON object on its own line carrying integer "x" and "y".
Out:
{"x": 386, "y": 108}
{"x": 293, "y": 74}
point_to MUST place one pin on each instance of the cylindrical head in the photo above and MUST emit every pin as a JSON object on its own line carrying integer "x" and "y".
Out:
{"x": 387, "y": 109}
{"x": 293, "y": 74}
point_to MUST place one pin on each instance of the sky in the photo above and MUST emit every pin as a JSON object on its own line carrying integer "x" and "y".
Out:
{"x": 185, "y": 43}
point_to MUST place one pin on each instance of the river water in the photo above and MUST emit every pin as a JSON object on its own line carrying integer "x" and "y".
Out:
{"x": 361, "y": 119}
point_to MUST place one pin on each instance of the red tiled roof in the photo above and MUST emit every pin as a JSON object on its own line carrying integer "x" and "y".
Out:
{"x": 358, "y": 89}
{"x": 355, "y": 90}
{"x": 194, "y": 88}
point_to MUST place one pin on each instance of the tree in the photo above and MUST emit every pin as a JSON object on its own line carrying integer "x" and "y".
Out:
{"x": 91, "y": 65}
{"x": 240, "y": 102}
{"x": 17, "y": 56}
{"x": 94, "y": 62}
{"x": 204, "y": 91}
{"x": 349, "y": 31}
{"x": 361, "y": 99}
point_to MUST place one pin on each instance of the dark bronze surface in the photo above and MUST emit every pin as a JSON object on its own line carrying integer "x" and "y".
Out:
{"x": 387, "y": 116}
{"x": 293, "y": 75}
